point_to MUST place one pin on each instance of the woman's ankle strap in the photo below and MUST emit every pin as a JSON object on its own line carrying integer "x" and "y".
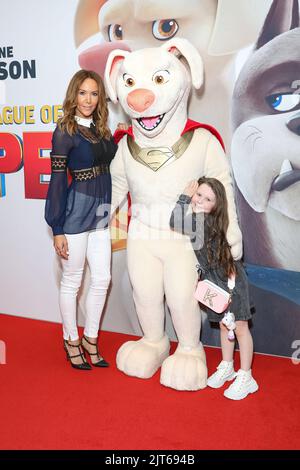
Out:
{"x": 92, "y": 344}
{"x": 66, "y": 341}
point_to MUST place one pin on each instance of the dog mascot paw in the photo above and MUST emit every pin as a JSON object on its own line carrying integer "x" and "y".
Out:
{"x": 185, "y": 369}
{"x": 142, "y": 358}
{"x": 157, "y": 156}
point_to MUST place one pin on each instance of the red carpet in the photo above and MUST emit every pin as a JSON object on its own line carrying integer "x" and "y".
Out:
{"x": 45, "y": 404}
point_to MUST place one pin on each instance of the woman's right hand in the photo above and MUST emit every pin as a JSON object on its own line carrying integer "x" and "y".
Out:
{"x": 61, "y": 246}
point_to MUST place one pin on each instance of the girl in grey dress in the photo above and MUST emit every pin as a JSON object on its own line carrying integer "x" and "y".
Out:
{"x": 201, "y": 212}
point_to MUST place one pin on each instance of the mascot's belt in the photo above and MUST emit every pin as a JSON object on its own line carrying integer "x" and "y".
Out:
{"x": 156, "y": 157}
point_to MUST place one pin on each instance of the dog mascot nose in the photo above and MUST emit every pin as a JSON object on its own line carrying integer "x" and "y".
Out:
{"x": 141, "y": 99}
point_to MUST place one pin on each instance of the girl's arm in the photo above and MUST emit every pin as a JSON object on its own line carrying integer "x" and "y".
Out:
{"x": 178, "y": 216}
{"x": 188, "y": 224}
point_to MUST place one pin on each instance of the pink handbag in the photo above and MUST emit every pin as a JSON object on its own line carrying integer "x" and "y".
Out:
{"x": 213, "y": 296}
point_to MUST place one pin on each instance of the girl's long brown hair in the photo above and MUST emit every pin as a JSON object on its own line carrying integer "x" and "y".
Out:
{"x": 217, "y": 224}
{"x": 100, "y": 115}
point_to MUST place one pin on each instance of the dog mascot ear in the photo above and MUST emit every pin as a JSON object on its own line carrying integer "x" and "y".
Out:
{"x": 183, "y": 48}
{"x": 113, "y": 64}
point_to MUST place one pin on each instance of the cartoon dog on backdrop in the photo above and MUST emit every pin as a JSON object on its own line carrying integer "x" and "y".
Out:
{"x": 156, "y": 158}
{"x": 266, "y": 164}
{"x": 217, "y": 28}
{"x": 266, "y": 142}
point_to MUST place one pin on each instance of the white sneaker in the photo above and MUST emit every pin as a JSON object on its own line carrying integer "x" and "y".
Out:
{"x": 224, "y": 372}
{"x": 242, "y": 386}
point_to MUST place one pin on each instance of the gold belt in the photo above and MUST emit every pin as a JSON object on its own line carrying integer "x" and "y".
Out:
{"x": 90, "y": 173}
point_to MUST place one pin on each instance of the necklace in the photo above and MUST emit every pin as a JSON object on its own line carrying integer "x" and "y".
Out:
{"x": 86, "y": 122}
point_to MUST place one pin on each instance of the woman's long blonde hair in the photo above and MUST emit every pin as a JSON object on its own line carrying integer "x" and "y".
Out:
{"x": 100, "y": 115}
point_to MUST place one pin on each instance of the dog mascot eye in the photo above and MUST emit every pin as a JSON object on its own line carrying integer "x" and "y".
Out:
{"x": 164, "y": 29}
{"x": 128, "y": 79}
{"x": 283, "y": 102}
{"x": 161, "y": 77}
{"x": 115, "y": 32}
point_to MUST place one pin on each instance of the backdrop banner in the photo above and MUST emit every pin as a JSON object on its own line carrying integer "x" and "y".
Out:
{"x": 251, "y": 95}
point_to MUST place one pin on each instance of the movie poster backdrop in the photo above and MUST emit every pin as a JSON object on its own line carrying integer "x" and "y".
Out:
{"x": 251, "y": 95}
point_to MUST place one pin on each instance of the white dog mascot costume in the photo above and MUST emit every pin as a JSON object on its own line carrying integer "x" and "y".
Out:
{"x": 160, "y": 154}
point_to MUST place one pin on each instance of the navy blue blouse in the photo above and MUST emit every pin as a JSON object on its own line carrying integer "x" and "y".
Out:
{"x": 85, "y": 204}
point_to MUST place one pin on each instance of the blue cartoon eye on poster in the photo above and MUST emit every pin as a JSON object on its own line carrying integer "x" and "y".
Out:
{"x": 251, "y": 95}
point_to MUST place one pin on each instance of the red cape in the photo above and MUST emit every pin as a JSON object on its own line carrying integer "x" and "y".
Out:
{"x": 119, "y": 134}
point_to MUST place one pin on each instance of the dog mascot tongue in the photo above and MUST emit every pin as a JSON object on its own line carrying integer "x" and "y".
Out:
{"x": 157, "y": 157}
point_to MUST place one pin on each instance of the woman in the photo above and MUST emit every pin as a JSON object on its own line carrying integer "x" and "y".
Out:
{"x": 79, "y": 214}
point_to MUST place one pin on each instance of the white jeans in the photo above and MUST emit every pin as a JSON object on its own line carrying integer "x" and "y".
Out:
{"x": 95, "y": 246}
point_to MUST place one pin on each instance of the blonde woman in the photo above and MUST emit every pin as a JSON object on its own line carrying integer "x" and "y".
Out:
{"x": 79, "y": 213}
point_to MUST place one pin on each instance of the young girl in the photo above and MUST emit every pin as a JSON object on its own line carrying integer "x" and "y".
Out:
{"x": 207, "y": 197}
{"x": 78, "y": 214}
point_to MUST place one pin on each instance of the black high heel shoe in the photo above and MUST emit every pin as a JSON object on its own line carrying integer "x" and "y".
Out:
{"x": 102, "y": 362}
{"x": 84, "y": 365}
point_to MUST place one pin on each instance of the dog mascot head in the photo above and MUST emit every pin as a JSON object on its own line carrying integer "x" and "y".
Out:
{"x": 153, "y": 85}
